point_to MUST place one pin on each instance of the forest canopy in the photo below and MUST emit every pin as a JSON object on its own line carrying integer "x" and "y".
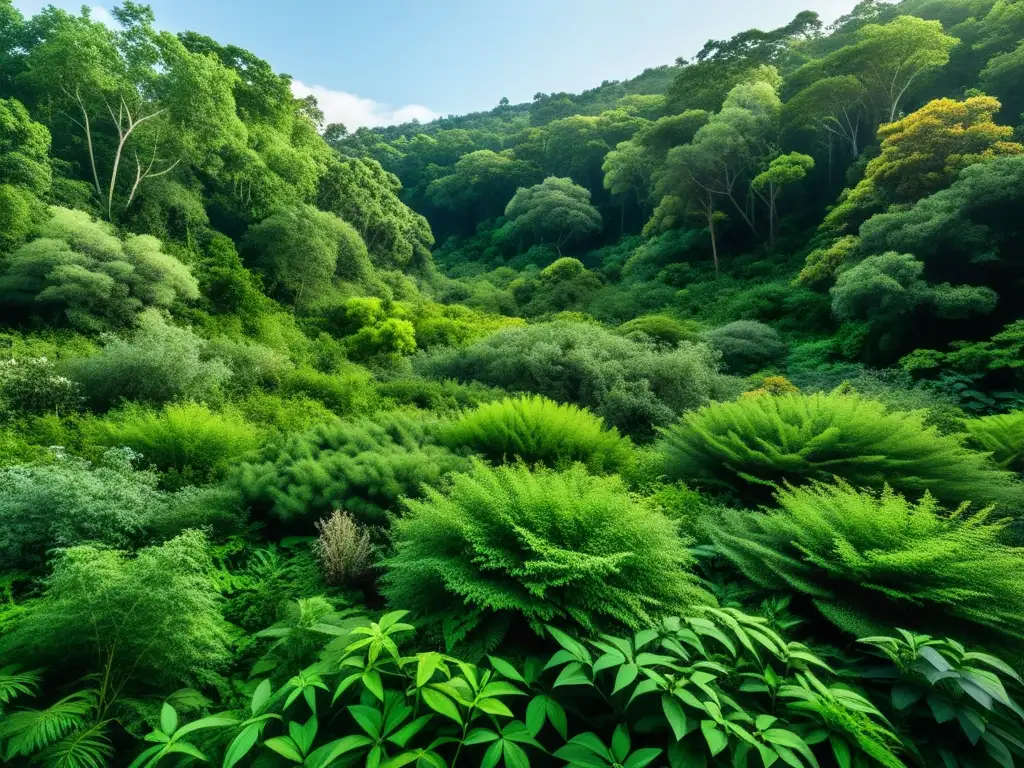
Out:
{"x": 677, "y": 422}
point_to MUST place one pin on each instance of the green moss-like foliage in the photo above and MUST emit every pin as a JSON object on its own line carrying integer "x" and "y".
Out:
{"x": 536, "y": 429}
{"x": 634, "y": 386}
{"x": 155, "y": 617}
{"x": 1001, "y": 435}
{"x": 747, "y": 346}
{"x": 506, "y": 545}
{"x": 873, "y": 561}
{"x": 361, "y": 466}
{"x": 755, "y": 442}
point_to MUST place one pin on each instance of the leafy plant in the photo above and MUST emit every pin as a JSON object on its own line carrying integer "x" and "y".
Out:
{"x": 950, "y": 702}
{"x": 69, "y": 501}
{"x": 869, "y": 561}
{"x": 757, "y": 443}
{"x": 505, "y": 548}
{"x": 538, "y": 430}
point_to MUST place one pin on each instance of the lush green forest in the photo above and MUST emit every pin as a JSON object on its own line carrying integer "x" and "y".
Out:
{"x": 679, "y": 422}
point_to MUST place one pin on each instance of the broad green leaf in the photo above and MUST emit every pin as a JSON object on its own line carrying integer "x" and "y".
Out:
{"x": 675, "y": 715}
{"x": 441, "y": 704}
{"x": 572, "y": 674}
{"x": 285, "y": 747}
{"x": 493, "y": 707}
{"x": 260, "y": 696}
{"x": 536, "y": 714}
{"x": 492, "y": 756}
{"x": 328, "y": 753}
{"x": 144, "y": 758}
{"x": 620, "y": 743}
{"x": 241, "y": 745}
{"x": 168, "y": 719}
{"x": 627, "y": 674}
{"x": 515, "y": 756}
{"x": 426, "y": 666}
{"x": 402, "y": 736}
{"x": 505, "y": 669}
{"x": 556, "y": 715}
{"x": 841, "y": 751}
{"x": 213, "y": 721}
{"x": 480, "y": 736}
{"x": 641, "y": 757}
{"x": 717, "y": 739}
{"x": 372, "y": 681}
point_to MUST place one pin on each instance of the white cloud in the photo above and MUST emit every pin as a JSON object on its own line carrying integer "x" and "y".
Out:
{"x": 357, "y": 111}
{"x": 103, "y": 16}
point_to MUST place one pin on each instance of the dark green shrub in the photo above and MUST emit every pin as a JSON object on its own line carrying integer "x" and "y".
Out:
{"x": 634, "y": 386}
{"x": 157, "y": 364}
{"x": 69, "y": 502}
{"x": 535, "y": 429}
{"x": 755, "y": 442}
{"x": 747, "y": 346}
{"x": 506, "y": 545}
{"x": 872, "y": 561}
{"x": 361, "y": 466}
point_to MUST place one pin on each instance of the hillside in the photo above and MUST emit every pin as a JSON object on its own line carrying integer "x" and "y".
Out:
{"x": 678, "y": 422}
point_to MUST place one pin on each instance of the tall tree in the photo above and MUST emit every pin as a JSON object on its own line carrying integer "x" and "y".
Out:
{"x": 555, "y": 211}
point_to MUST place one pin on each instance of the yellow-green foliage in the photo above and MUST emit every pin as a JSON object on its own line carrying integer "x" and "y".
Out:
{"x": 188, "y": 439}
{"x": 1002, "y": 436}
{"x": 874, "y": 561}
{"x": 506, "y": 548}
{"x": 535, "y": 429}
{"x": 757, "y": 441}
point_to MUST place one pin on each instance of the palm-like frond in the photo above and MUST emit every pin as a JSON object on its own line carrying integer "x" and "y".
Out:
{"x": 85, "y": 748}
{"x": 14, "y": 683}
{"x": 27, "y": 731}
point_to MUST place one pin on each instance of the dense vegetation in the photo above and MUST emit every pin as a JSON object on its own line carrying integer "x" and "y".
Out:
{"x": 679, "y": 422}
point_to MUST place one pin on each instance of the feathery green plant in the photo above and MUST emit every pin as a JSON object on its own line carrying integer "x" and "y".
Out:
{"x": 149, "y": 620}
{"x": 1001, "y": 435}
{"x": 506, "y": 544}
{"x": 757, "y": 442}
{"x": 538, "y": 430}
{"x": 870, "y": 561}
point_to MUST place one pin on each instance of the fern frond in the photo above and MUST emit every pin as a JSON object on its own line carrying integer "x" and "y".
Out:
{"x": 14, "y": 683}
{"x": 85, "y": 748}
{"x": 29, "y": 730}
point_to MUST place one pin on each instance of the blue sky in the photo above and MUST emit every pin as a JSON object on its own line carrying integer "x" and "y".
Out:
{"x": 371, "y": 62}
